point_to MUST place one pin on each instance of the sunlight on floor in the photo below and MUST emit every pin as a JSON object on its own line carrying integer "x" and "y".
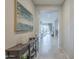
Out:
{"x": 45, "y": 45}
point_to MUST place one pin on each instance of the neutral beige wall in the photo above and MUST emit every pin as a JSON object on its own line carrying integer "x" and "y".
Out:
{"x": 11, "y": 37}
{"x": 36, "y": 21}
{"x": 68, "y": 28}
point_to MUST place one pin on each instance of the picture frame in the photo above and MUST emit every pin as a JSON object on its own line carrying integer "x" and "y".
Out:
{"x": 23, "y": 19}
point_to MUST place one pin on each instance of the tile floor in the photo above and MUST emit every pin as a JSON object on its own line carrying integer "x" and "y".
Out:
{"x": 48, "y": 49}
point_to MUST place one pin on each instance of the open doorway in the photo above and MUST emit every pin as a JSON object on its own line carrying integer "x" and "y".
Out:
{"x": 48, "y": 42}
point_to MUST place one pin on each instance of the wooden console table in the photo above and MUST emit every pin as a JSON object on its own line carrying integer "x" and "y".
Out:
{"x": 16, "y": 51}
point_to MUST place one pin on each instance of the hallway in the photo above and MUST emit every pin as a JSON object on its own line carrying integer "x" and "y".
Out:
{"x": 49, "y": 49}
{"x": 50, "y": 22}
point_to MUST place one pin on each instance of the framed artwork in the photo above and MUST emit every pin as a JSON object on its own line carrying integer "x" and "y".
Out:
{"x": 23, "y": 18}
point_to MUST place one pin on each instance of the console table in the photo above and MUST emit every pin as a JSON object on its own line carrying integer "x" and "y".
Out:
{"x": 30, "y": 49}
{"x": 16, "y": 51}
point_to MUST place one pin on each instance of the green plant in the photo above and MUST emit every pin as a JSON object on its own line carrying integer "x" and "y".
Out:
{"x": 23, "y": 57}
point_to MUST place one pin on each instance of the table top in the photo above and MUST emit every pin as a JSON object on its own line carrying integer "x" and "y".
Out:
{"x": 17, "y": 47}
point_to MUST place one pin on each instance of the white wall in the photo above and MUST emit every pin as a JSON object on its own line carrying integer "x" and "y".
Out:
{"x": 68, "y": 28}
{"x": 11, "y": 37}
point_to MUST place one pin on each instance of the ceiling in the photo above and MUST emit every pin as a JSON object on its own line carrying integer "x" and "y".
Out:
{"x": 48, "y": 2}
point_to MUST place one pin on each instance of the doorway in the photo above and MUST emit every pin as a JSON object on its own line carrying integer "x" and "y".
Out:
{"x": 48, "y": 42}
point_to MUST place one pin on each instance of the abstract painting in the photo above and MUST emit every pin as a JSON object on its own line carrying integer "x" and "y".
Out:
{"x": 23, "y": 18}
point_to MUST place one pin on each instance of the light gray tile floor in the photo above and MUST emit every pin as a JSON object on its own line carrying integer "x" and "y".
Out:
{"x": 49, "y": 49}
